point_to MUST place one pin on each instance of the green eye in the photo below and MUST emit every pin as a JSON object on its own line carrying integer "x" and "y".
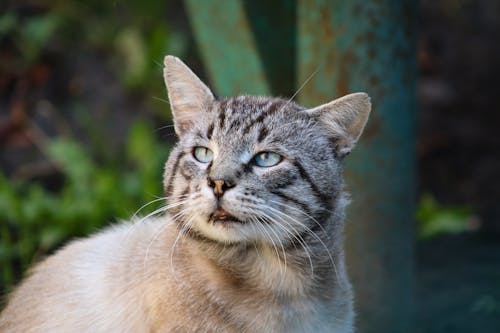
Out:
{"x": 203, "y": 154}
{"x": 267, "y": 159}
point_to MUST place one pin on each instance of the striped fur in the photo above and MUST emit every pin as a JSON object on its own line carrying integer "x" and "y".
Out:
{"x": 279, "y": 268}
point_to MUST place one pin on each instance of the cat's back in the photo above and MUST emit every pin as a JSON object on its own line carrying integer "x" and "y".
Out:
{"x": 90, "y": 284}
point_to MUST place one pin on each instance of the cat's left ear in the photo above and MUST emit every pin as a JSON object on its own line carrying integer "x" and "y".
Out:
{"x": 344, "y": 119}
{"x": 189, "y": 97}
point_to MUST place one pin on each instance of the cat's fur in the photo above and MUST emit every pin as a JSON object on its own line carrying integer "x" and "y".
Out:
{"x": 279, "y": 269}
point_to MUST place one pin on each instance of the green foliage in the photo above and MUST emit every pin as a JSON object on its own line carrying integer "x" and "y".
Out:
{"x": 106, "y": 179}
{"x": 135, "y": 34}
{"x": 434, "y": 219}
{"x": 35, "y": 221}
{"x": 8, "y": 22}
{"x": 30, "y": 36}
{"x": 36, "y": 33}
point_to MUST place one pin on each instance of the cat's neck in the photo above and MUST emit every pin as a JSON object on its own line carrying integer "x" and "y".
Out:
{"x": 294, "y": 269}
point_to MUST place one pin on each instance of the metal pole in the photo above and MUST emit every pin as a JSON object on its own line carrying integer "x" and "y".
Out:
{"x": 369, "y": 46}
{"x": 351, "y": 46}
{"x": 228, "y": 47}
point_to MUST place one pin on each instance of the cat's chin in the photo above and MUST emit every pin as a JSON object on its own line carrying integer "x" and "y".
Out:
{"x": 221, "y": 227}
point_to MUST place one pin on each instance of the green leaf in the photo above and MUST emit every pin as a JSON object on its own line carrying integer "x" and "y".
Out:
{"x": 51, "y": 237}
{"x": 434, "y": 219}
{"x": 8, "y": 23}
{"x": 141, "y": 146}
{"x": 131, "y": 46}
{"x": 74, "y": 161}
{"x": 36, "y": 33}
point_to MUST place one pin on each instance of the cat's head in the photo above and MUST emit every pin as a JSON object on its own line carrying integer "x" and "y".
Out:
{"x": 253, "y": 168}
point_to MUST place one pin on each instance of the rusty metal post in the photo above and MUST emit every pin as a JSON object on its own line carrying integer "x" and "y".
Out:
{"x": 355, "y": 45}
{"x": 361, "y": 45}
{"x": 227, "y": 45}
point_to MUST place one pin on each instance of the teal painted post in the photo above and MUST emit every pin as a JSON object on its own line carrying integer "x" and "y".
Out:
{"x": 227, "y": 46}
{"x": 360, "y": 45}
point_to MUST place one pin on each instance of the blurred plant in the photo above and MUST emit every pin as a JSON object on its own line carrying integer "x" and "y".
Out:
{"x": 105, "y": 179}
{"x": 434, "y": 219}
{"x": 29, "y": 37}
{"x": 135, "y": 33}
{"x": 35, "y": 221}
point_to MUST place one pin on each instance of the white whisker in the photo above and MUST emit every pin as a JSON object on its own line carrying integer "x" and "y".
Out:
{"x": 309, "y": 231}
{"x": 301, "y": 87}
{"x": 184, "y": 228}
{"x": 161, "y": 100}
{"x": 258, "y": 225}
{"x": 295, "y": 235}
{"x": 147, "y": 204}
{"x": 301, "y": 212}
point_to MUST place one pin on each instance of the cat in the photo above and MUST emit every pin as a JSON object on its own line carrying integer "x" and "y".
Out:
{"x": 251, "y": 239}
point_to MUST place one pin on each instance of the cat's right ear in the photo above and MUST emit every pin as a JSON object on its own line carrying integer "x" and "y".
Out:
{"x": 344, "y": 119}
{"x": 187, "y": 94}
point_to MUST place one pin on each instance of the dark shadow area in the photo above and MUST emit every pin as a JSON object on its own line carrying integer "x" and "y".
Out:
{"x": 273, "y": 24}
{"x": 459, "y": 284}
{"x": 459, "y": 116}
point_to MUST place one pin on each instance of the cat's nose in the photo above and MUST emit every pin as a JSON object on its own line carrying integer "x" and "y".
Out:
{"x": 219, "y": 186}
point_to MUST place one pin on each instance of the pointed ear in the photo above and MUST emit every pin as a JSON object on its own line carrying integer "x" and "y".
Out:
{"x": 188, "y": 96}
{"x": 344, "y": 119}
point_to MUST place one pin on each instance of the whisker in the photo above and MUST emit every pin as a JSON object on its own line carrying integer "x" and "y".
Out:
{"x": 184, "y": 228}
{"x": 259, "y": 226}
{"x": 296, "y": 236}
{"x": 163, "y": 127}
{"x": 158, "y": 63}
{"x": 152, "y": 241}
{"x": 302, "y": 212}
{"x": 147, "y": 204}
{"x": 160, "y": 231}
{"x": 160, "y": 99}
{"x": 135, "y": 223}
{"x": 309, "y": 231}
{"x": 301, "y": 87}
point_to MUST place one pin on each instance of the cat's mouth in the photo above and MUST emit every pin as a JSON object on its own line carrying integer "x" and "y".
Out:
{"x": 223, "y": 217}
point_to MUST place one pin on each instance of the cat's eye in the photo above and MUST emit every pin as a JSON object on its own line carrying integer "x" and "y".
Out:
{"x": 267, "y": 159}
{"x": 203, "y": 154}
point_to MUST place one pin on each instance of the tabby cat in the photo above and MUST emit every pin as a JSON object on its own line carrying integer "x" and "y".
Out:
{"x": 251, "y": 239}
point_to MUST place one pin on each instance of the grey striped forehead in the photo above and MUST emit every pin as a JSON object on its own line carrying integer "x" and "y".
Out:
{"x": 253, "y": 118}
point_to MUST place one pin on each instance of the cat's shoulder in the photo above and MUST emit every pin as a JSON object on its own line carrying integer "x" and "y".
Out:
{"x": 115, "y": 237}
{"x": 93, "y": 255}
{"x": 86, "y": 269}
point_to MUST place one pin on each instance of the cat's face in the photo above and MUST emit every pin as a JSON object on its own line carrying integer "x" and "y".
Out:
{"x": 253, "y": 168}
{"x": 250, "y": 169}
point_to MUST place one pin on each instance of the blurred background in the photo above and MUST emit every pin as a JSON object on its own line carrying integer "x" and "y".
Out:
{"x": 84, "y": 130}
